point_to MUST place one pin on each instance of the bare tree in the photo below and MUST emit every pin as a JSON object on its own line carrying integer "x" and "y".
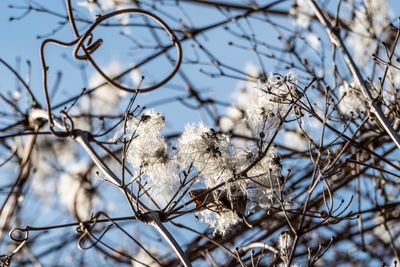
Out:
{"x": 202, "y": 133}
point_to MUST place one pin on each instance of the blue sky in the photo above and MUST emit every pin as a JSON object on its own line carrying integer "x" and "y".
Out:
{"x": 20, "y": 41}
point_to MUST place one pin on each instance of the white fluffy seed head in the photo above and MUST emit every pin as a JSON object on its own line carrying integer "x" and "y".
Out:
{"x": 285, "y": 243}
{"x": 274, "y": 98}
{"x": 302, "y": 13}
{"x": 264, "y": 178}
{"x": 351, "y": 99}
{"x": 371, "y": 19}
{"x": 205, "y": 148}
{"x": 221, "y": 222}
{"x": 149, "y": 123}
{"x": 149, "y": 154}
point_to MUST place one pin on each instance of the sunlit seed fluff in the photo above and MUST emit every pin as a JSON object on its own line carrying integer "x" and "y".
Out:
{"x": 294, "y": 139}
{"x": 148, "y": 151}
{"x": 101, "y": 6}
{"x": 72, "y": 192}
{"x": 282, "y": 264}
{"x": 281, "y": 89}
{"x": 381, "y": 231}
{"x": 105, "y": 97}
{"x": 302, "y": 13}
{"x": 220, "y": 222}
{"x": 207, "y": 149}
{"x": 145, "y": 258}
{"x": 395, "y": 73}
{"x": 285, "y": 243}
{"x": 261, "y": 119}
{"x": 313, "y": 40}
{"x": 371, "y": 19}
{"x": 274, "y": 99}
{"x": 164, "y": 176}
{"x": 264, "y": 178}
{"x": 232, "y": 120}
{"x": 351, "y": 99}
{"x": 245, "y": 95}
{"x": 147, "y": 147}
{"x": 149, "y": 123}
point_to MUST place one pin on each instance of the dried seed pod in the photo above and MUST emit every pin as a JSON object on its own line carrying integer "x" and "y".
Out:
{"x": 219, "y": 200}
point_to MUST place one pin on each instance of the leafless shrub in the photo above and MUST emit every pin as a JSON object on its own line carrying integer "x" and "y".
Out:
{"x": 299, "y": 168}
